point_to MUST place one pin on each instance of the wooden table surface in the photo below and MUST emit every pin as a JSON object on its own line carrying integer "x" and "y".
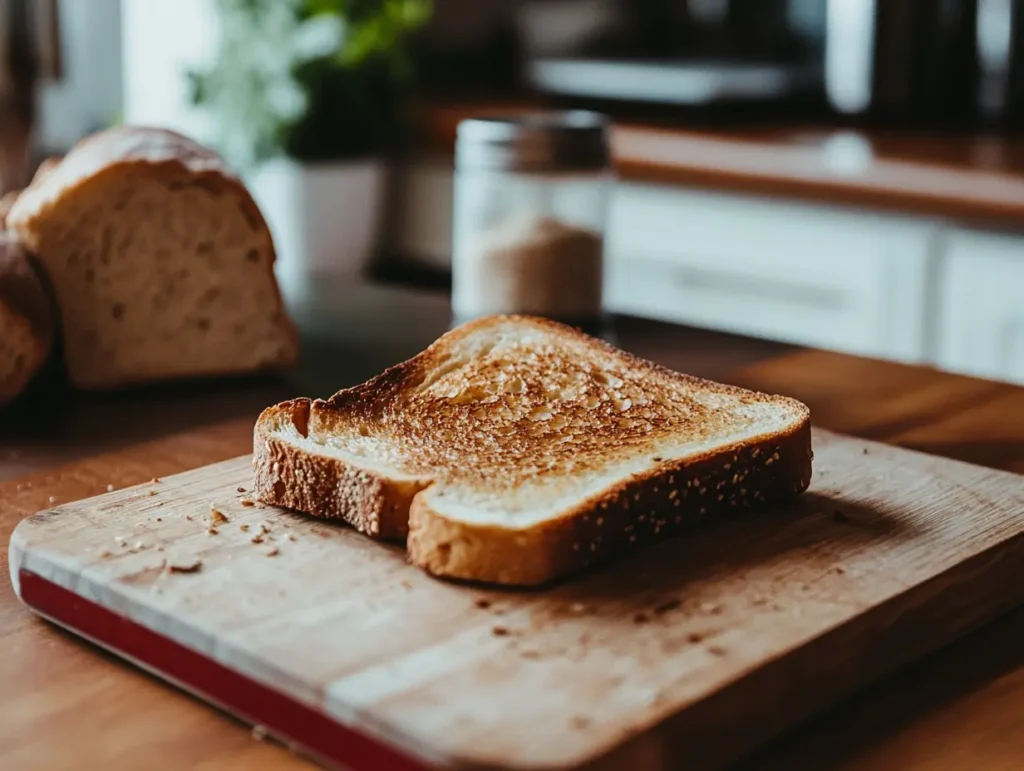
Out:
{"x": 68, "y": 705}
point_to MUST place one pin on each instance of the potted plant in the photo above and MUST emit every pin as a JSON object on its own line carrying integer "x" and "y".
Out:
{"x": 307, "y": 98}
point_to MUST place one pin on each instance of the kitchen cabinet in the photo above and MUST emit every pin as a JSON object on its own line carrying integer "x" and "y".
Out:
{"x": 853, "y": 279}
{"x": 813, "y": 275}
{"x": 980, "y": 313}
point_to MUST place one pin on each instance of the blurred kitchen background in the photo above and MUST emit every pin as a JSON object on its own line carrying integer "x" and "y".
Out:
{"x": 846, "y": 174}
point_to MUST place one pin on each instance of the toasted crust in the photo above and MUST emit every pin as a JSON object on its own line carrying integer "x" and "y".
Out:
{"x": 636, "y": 512}
{"x": 640, "y": 509}
{"x": 323, "y": 486}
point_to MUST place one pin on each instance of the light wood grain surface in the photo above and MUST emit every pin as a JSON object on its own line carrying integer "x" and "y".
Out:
{"x": 67, "y": 705}
{"x": 714, "y": 640}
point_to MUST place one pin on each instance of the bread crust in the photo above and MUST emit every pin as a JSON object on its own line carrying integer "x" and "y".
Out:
{"x": 636, "y": 512}
{"x": 169, "y": 157}
{"x": 25, "y": 294}
{"x": 641, "y": 509}
{"x": 326, "y": 487}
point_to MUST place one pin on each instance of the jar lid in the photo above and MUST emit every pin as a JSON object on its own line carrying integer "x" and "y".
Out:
{"x": 539, "y": 141}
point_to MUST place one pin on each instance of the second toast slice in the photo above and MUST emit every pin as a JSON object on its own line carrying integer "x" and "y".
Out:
{"x": 516, "y": 450}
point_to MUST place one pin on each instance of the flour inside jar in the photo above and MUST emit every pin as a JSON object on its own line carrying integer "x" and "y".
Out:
{"x": 530, "y": 263}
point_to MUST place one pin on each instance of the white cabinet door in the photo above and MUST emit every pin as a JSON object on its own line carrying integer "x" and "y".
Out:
{"x": 981, "y": 305}
{"x": 814, "y": 275}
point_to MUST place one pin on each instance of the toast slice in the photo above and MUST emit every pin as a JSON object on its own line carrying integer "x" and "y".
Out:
{"x": 515, "y": 450}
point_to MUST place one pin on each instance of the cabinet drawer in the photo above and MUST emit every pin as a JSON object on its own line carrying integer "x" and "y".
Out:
{"x": 981, "y": 305}
{"x": 805, "y": 274}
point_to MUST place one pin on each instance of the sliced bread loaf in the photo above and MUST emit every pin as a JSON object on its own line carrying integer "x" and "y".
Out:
{"x": 26, "y": 321}
{"x": 160, "y": 260}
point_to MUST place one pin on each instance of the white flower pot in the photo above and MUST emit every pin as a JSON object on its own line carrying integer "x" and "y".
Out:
{"x": 325, "y": 218}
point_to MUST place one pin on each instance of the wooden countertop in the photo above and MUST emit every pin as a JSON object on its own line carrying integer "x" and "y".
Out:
{"x": 973, "y": 178}
{"x": 68, "y": 705}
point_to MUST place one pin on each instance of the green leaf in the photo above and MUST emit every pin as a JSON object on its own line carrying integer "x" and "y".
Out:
{"x": 351, "y": 97}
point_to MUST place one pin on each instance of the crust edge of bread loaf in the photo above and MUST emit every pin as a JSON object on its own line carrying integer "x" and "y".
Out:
{"x": 770, "y": 467}
{"x": 26, "y": 294}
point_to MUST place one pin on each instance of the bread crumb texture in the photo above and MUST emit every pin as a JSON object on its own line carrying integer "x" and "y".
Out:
{"x": 159, "y": 259}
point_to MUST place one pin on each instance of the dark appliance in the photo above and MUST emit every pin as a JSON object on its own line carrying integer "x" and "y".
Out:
{"x": 903, "y": 62}
{"x": 675, "y": 52}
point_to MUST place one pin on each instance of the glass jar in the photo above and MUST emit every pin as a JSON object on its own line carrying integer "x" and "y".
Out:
{"x": 531, "y": 203}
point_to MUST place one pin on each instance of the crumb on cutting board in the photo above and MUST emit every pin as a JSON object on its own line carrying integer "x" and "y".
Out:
{"x": 184, "y": 564}
{"x": 216, "y": 515}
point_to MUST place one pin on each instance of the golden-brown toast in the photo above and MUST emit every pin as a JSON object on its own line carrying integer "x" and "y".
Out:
{"x": 515, "y": 450}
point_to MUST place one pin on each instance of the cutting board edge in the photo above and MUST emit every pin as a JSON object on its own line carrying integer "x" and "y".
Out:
{"x": 48, "y": 567}
{"x": 51, "y": 611}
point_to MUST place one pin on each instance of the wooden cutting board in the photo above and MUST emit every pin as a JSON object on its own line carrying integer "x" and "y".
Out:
{"x": 688, "y": 654}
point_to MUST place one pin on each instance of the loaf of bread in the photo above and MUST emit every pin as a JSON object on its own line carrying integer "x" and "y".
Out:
{"x": 160, "y": 261}
{"x": 26, "y": 321}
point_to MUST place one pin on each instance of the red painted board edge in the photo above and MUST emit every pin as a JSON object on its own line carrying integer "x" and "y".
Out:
{"x": 284, "y": 717}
